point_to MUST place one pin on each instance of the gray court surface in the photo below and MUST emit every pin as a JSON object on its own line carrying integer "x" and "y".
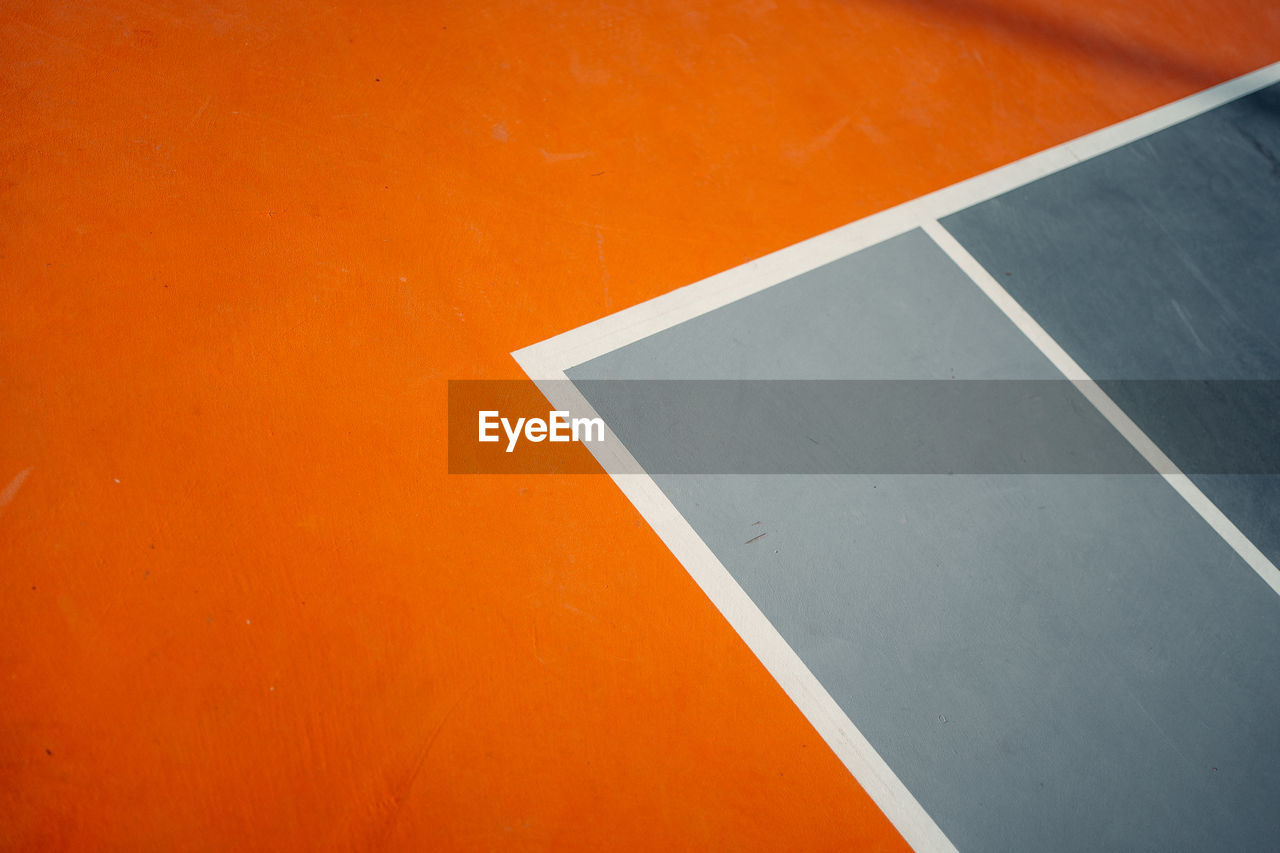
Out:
{"x": 1161, "y": 260}
{"x": 1047, "y": 661}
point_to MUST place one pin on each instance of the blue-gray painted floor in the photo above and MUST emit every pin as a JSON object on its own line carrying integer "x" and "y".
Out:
{"x": 1048, "y": 661}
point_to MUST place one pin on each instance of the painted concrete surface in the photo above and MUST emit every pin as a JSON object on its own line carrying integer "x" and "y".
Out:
{"x": 1158, "y": 261}
{"x": 246, "y": 244}
{"x": 1047, "y": 662}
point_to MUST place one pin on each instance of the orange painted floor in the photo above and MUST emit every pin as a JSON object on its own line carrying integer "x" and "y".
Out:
{"x": 244, "y": 247}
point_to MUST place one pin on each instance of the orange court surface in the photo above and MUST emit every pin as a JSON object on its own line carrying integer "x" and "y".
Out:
{"x": 246, "y": 245}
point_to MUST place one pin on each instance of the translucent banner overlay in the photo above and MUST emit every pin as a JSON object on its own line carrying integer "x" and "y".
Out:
{"x": 855, "y": 427}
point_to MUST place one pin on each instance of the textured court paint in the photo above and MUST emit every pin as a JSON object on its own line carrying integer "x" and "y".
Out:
{"x": 1046, "y": 662}
{"x": 244, "y": 247}
{"x": 1159, "y": 261}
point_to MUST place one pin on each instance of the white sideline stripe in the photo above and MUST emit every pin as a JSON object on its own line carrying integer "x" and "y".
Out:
{"x": 546, "y": 362}
{"x": 640, "y": 321}
{"x": 779, "y": 659}
{"x": 1180, "y": 482}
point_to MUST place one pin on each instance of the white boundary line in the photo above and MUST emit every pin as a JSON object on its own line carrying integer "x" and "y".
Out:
{"x": 547, "y": 361}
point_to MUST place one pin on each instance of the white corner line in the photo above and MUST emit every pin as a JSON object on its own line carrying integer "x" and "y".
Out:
{"x": 1141, "y": 442}
{"x": 609, "y": 333}
{"x": 832, "y": 724}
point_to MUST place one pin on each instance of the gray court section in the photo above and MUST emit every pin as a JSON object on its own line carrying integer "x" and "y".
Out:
{"x": 1161, "y": 260}
{"x": 1047, "y": 662}
{"x": 903, "y": 426}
